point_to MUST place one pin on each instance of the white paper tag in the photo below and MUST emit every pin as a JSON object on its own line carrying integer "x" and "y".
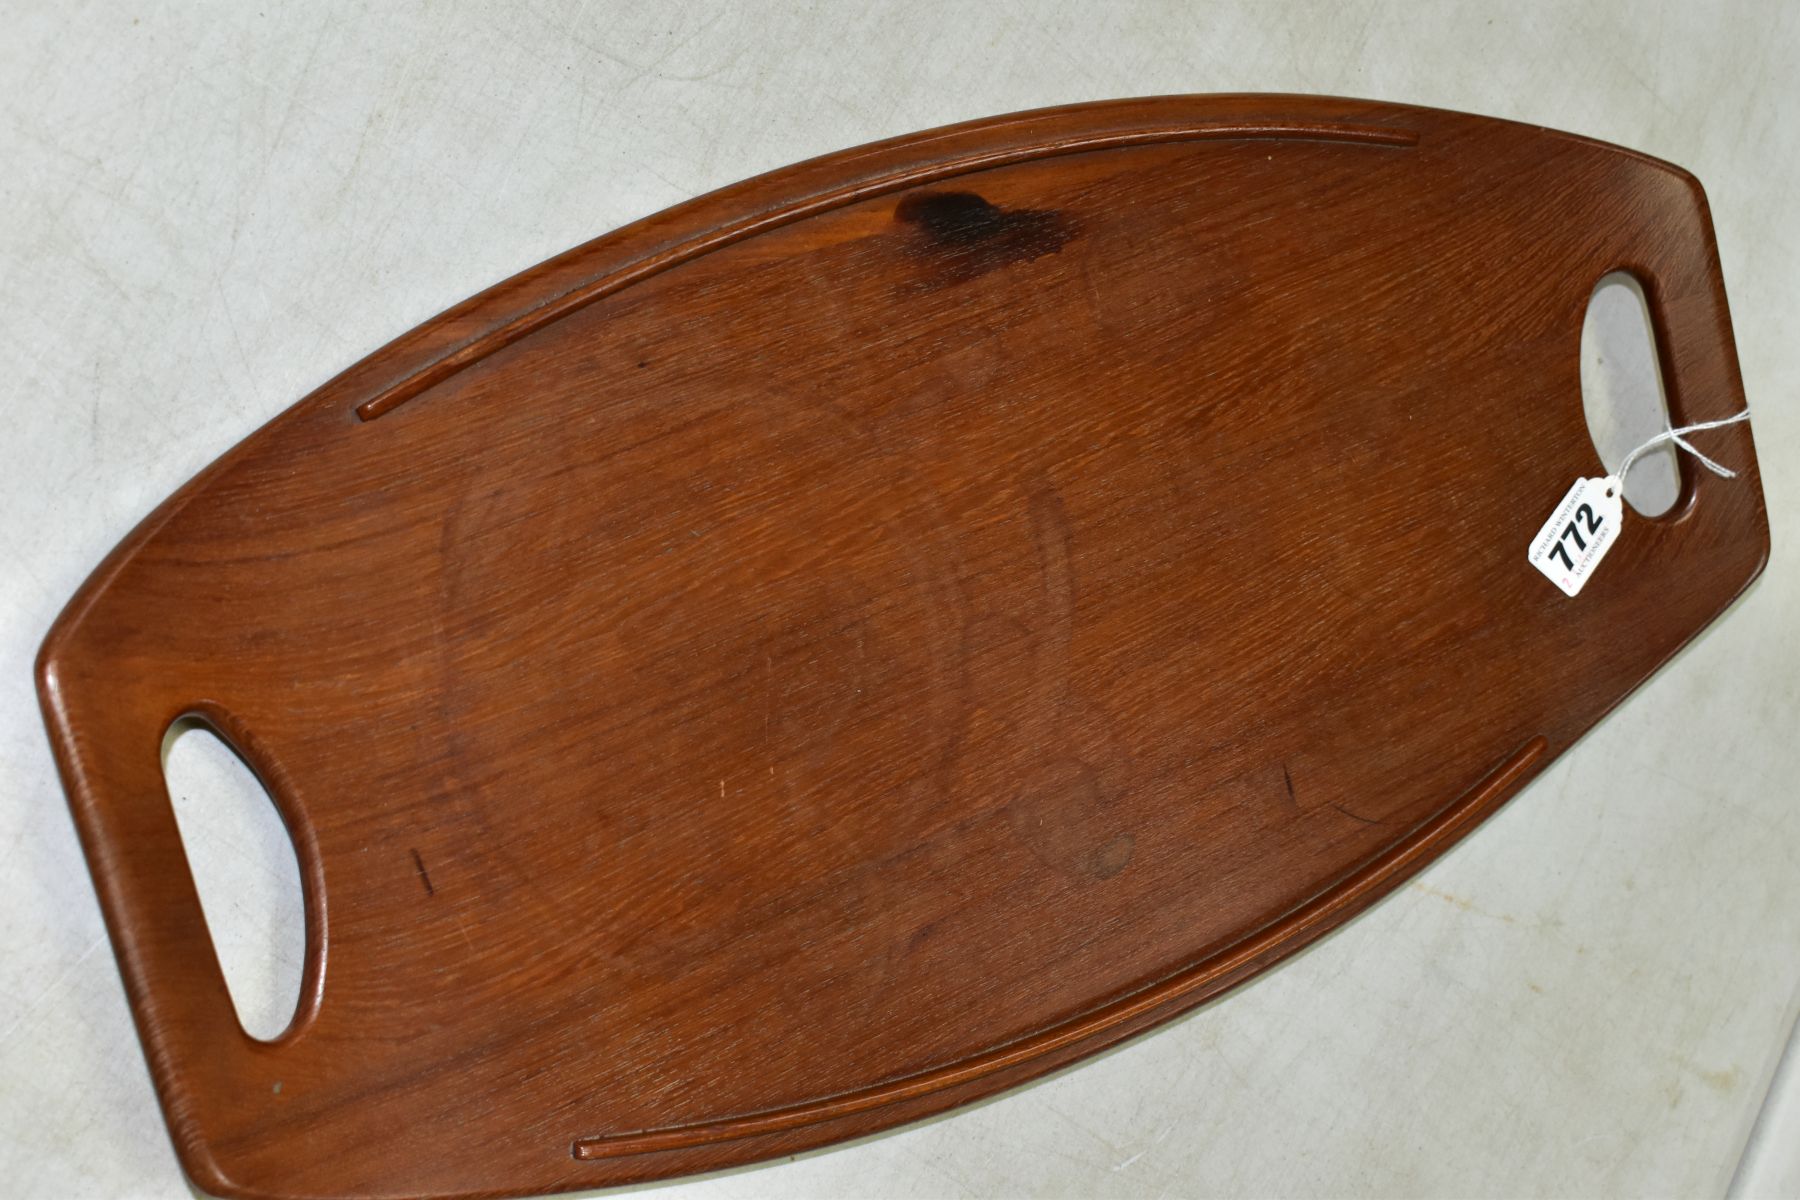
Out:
{"x": 1579, "y": 533}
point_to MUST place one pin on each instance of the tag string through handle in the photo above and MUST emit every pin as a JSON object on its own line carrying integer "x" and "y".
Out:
{"x": 1677, "y": 436}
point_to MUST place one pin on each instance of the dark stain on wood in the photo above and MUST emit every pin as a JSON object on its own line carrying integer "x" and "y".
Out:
{"x": 961, "y": 235}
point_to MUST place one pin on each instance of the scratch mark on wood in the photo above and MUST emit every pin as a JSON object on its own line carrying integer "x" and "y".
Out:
{"x": 1353, "y": 816}
{"x": 424, "y": 875}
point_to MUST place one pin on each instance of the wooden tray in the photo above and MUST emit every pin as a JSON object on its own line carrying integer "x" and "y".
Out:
{"x": 880, "y": 632}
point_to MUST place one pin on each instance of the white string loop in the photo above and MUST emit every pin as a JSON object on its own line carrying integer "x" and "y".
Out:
{"x": 1675, "y": 436}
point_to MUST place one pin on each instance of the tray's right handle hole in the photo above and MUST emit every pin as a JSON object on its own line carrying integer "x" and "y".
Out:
{"x": 246, "y": 871}
{"x": 1622, "y": 392}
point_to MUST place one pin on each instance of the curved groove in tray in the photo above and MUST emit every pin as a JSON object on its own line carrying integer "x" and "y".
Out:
{"x": 555, "y": 309}
{"x": 1193, "y": 983}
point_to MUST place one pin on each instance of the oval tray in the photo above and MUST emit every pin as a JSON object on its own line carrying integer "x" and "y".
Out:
{"x": 882, "y": 631}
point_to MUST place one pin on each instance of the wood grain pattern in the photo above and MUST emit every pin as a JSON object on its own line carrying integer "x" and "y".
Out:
{"x": 875, "y": 634}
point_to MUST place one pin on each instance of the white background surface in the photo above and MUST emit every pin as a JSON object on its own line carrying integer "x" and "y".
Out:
{"x": 208, "y": 210}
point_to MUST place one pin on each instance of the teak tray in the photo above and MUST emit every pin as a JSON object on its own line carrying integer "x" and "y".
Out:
{"x": 877, "y": 633}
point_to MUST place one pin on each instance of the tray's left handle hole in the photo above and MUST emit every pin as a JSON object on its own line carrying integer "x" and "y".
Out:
{"x": 246, "y": 871}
